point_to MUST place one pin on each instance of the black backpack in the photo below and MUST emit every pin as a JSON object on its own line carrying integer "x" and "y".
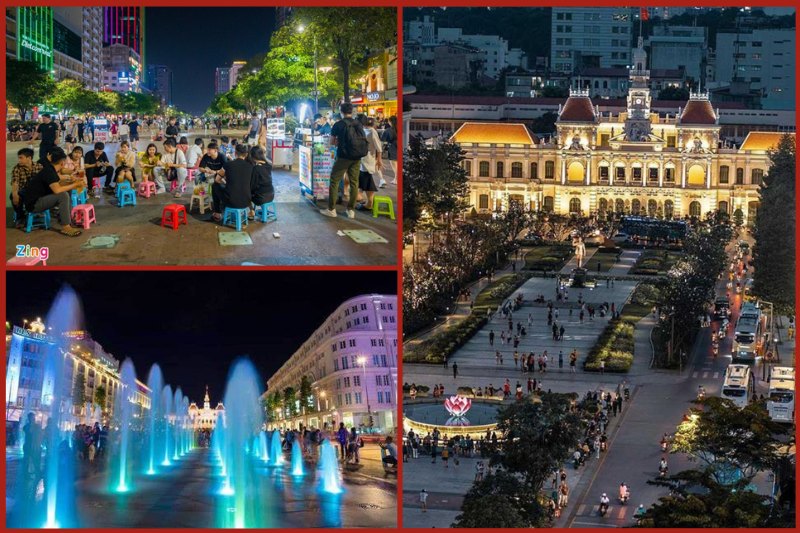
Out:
{"x": 354, "y": 141}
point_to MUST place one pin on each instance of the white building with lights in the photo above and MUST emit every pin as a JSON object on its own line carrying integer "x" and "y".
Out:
{"x": 351, "y": 361}
{"x": 205, "y": 419}
{"x": 634, "y": 162}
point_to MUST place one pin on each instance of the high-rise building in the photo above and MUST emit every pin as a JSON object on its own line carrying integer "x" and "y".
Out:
{"x": 32, "y": 30}
{"x": 762, "y": 58}
{"x": 125, "y": 25}
{"x": 92, "y": 44}
{"x": 584, "y": 37}
{"x": 350, "y": 362}
{"x": 233, "y": 74}
{"x": 122, "y": 70}
{"x": 68, "y": 43}
{"x": 222, "y": 80}
{"x": 159, "y": 80}
{"x": 679, "y": 47}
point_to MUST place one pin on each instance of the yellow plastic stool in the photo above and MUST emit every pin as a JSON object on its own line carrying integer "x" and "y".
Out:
{"x": 377, "y": 202}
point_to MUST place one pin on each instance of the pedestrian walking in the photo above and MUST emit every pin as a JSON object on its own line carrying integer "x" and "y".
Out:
{"x": 560, "y": 359}
{"x": 602, "y": 366}
{"x": 455, "y": 370}
{"x": 423, "y": 500}
{"x": 573, "y": 359}
{"x": 491, "y": 338}
{"x": 561, "y": 333}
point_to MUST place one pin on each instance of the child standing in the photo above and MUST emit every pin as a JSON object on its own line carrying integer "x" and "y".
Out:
{"x": 423, "y": 500}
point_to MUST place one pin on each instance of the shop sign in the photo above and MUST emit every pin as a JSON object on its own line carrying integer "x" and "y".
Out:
{"x": 36, "y": 47}
{"x": 374, "y": 96}
{"x": 357, "y": 99}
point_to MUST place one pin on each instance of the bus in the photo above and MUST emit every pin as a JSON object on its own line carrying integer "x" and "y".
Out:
{"x": 780, "y": 404}
{"x": 747, "y": 333}
{"x": 738, "y": 385}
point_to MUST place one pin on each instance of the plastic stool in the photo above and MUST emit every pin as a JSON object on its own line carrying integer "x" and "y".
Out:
{"x": 236, "y": 216}
{"x": 127, "y": 197}
{"x": 173, "y": 185}
{"x": 377, "y": 202}
{"x": 267, "y": 211}
{"x": 203, "y": 202}
{"x": 146, "y": 188}
{"x": 32, "y": 223}
{"x": 84, "y": 214}
{"x": 78, "y": 198}
{"x": 173, "y": 215}
{"x": 97, "y": 186}
{"x": 190, "y": 172}
{"x": 122, "y": 186}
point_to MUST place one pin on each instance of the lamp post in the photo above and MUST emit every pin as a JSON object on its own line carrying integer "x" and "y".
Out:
{"x": 363, "y": 362}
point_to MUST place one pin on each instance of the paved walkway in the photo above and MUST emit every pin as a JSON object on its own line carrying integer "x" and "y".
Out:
{"x": 625, "y": 263}
{"x": 305, "y": 236}
{"x": 573, "y": 262}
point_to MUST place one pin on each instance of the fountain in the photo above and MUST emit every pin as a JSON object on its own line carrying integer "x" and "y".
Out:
{"x": 328, "y": 469}
{"x": 123, "y": 414}
{"x": 186, "y": 429}
{"x": 262, "y": 442}
{"x": 155, "y": 382}
{"x": 166, "y": 411}
{"x": 297, "y": 459}
{"x": 243, "y": 418}
{"x": 276, "y": 452}
{"x": 177, "y": 402}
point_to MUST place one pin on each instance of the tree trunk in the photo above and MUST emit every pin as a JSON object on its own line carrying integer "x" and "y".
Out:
{"x": 345, "y": 62}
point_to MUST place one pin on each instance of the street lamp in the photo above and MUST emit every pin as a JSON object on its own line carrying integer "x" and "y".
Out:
{"x": 363, "y": 362}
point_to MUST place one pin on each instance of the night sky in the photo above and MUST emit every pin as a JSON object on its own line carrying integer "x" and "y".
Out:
{"x": 194, "y": 324}
{"x": 204, "y": 39}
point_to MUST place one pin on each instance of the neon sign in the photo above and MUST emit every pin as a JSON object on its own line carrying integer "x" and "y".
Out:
{"x": 35, "y": 47}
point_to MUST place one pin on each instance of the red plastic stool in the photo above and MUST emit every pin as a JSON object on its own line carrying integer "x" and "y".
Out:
{"x": 173, "y": 214}
{"x": 84, "y": 214}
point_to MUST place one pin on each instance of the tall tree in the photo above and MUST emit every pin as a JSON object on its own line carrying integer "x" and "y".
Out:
{"x": 348, "y": 34}
{"x": 68, "y": 95}
{"x": 79, "y": 390}
{"x": 27, "y": 85}
{"x": 500, "y": 501}
{"x": 100, "y": 397}
{"x": 774, "y": 250}
{"x": 290, "y": 401}
{"x": 306, "y": 395}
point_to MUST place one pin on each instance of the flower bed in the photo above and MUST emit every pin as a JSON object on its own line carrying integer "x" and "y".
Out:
{"x": 444, "y": 343}
{"x": 615, "y": 347}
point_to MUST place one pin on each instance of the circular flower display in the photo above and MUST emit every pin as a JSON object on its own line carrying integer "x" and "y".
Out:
{"x": 457, "y": 405}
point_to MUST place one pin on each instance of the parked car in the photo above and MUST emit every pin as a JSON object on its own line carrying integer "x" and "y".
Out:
{"x": 621, "y": 237}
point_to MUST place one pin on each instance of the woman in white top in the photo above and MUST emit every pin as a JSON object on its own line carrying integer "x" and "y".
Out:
{"x": 370, "y": 163}
{"x": 195, "y": 153}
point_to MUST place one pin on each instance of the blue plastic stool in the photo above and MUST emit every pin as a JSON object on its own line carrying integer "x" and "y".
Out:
{"x": 123, "y": 186}
{"x": 235, "y": 216}
{"x": 31, "y": 221}
{"x": 78, "y": 199}
{"x": 266, "y": 212}
{"x": 127, "y": 197}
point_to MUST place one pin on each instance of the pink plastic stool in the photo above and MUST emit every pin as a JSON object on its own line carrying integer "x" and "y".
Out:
{"x": 26, "y": 261}
{"x": 84, "y": 214}
{"x": 174, "y": 185}
{"x": 96, "y": 186}
{"x": 146, "y": 188}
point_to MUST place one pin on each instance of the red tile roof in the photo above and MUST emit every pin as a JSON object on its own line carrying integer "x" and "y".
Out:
{"x": 577, "y": 109}
{"x": 698, "y": 112}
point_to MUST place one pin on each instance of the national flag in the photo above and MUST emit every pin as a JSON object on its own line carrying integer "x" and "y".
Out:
{"x": 643, "y": 13}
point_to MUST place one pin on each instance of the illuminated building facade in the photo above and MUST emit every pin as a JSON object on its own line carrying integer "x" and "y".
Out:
{"x": 205, "y": 419}
{"x": 634, "y": 162}
{"x": 351, "y": 363}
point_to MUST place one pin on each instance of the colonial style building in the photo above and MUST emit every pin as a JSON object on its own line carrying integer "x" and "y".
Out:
{"x": 205, "y": 419}
{"x": 351, "y": 362}
{"x": 634, "y": 162}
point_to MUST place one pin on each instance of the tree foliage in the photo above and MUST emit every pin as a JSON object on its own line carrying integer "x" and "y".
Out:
{"x": 774, "y": 250}
{"x": 27, "y": 85}
{"x": 306, "y": 395}
{"x": 289, "y": 401}
{"x": 100, "y": 397}
{"x": 500, "y": 501}
{"x": 79, "y": 390}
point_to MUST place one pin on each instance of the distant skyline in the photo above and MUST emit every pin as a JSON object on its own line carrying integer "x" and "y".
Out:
{"x": 205, "y": 39}
{"x": 194, "y": 324}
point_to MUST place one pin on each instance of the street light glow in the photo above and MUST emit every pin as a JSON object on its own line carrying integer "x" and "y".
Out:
{"x": 301, "y": 28}
{"x": 361, "y": 360}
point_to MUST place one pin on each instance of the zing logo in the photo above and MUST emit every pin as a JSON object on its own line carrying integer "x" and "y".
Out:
{"x": 26, "y": 250}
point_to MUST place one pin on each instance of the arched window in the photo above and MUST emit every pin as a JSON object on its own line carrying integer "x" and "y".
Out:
{"x": 696, "y": 176}
{"x": 483, "y": 169}
{"x": 739, "y": 176}
{"x": 723, "y": 207}
{"x": 756, "y": 176}
{"x": 575, "y": 172}
{"x": 636, "y": 206}
{"x": 500, "y": 170}
{"x": 602, "y": 205}
{"x": 516, "y": 170}
{"x": 619, "y": 205}
{"x": 534, "y": 170}
{"x": 669, "y": 209}
{"x": 548, "y": 204}
{"x": 575, "y": 205}
{"x": 652, "y": 207}
{"x": 694, "y": 209}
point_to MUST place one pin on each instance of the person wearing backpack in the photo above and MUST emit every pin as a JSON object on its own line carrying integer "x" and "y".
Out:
{"x": 351, "y": 145}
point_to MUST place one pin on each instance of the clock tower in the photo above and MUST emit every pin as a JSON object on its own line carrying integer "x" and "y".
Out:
{"x": 637, "y": 125}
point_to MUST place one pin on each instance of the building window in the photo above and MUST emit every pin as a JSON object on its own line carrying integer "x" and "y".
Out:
{"x": 694, "y": 209}
{"x": 358, "y": 397}
{"x": 671, "y": 141}
{"x": 756, "y": 176}
{"x": 516, "y": 170}
{"x": 637, "y": 173}
{"x": 652, "y": 207}
{"x": 653, "y": 174}
{"x": 352, "y": 342}
{"x": 575, "y": 205}
{"x": 547, "y": 206}
{"x": 348, "y": 399}
{"x": 620, "y": 173}
{"x": 724, "y": 171}
{"x": 549, "y": 170}
{"x": 468, "y": 167}
{"x": 604, "y": 173}
{"x": 723, "y": 207}
{"x": 500, "y": 169}
{"x": 669, "y": 174}
{"x": 335, "y": 365}
{"x": 345, "y": 364}
{"x": 483, "y": 169}
{"x": 483, "y": 201}
{"x": 346, "y": 383}
{"x": 669, "y": 209}
{"x": 356, "y": 381}
{"x": 534, "y": 171}
{"x": 739, "y": 176}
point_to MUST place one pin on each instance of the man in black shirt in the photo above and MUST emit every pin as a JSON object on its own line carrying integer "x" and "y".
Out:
{"x": 232, "y": 187}
{"x": 134, "y": 132}
{"x": 44, "y": 191}
{"x": 97, "y": 164}
{"x": 211, "y": 163}
{"x": 47, "y": 131}
{"x": 172, "y": 131}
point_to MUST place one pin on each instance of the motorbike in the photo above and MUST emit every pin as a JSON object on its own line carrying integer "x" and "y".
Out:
{"x": 625, "y": 497}
{"x": 662, "y": 471}
{"x": 627, "y": 393}
{"x": 603, "y": 508}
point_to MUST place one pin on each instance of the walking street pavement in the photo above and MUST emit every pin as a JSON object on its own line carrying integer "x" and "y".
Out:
{"x": 305, "y": 237}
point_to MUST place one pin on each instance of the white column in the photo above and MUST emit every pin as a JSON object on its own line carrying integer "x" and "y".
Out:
{"x": 683, "y": 174}
{"x": 611, "y": 173}
{"x": 660, "y": 174}
{"x": 563, "y": 170}
{"x": 588, "y": 170}
{"x": 708, "y": 174}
